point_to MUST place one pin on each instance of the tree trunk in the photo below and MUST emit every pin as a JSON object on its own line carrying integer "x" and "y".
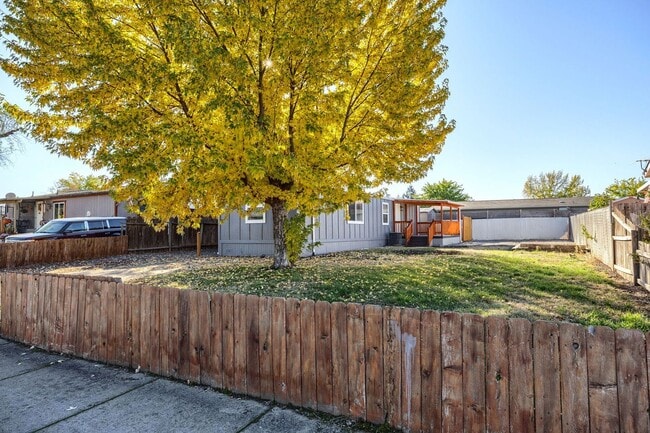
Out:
{"x": 280, "y": 255}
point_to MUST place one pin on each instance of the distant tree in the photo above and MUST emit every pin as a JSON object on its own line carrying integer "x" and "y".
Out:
{"x": 9, "y": 135}
{"x": 618, "y": 189}
{"x": 78, "y": 182}
{"x": 410, "y": 192}
{"x": 444, "y": 190}
{"x": 555, "y": 184}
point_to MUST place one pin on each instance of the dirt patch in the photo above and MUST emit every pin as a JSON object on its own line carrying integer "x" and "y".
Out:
{"x": 132, "y": 267}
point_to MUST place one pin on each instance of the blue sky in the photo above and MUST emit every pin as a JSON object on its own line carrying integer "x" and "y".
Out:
{"x": 535, "y": 87}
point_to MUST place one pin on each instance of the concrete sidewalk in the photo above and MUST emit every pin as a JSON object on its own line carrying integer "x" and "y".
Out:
{"x": 46, "y": 392}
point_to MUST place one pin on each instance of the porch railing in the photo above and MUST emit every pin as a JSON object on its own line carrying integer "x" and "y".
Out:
{"x": 431, "y": 231}
{"x": 450, "y": 228}
{"x": 408, "y": 232}
{"x": 400, "y": 226}
{"x": 423, "y": 227}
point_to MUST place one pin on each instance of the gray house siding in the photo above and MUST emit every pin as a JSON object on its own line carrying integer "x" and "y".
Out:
{"x": 335, "y": 233}
{"x": 97, "y": 205}
{"x": 332, "y": 231}
{"x": 239, "y": 238}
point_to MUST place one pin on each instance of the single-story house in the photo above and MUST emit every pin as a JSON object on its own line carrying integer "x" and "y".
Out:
{"x": 521, "y": 219}
{"x": 358, "y": 226}
{"x": 29, "y": 213}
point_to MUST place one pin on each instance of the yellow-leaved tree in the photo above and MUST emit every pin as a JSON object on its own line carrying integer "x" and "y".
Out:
{"x": 226, "y": 104}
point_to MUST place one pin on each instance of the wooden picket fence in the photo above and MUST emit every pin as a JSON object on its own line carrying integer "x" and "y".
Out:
{"x": 415, "y": 370}
{"x": 17, "y": 254}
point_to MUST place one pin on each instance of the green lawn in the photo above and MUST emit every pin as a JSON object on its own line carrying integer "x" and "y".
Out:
{"x": 531, "y": 284}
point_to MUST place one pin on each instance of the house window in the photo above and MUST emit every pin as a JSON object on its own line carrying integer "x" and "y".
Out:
{"x": 258, "y": 216}
{"x": 385, "y": 213}
{"x": 59, "y": 209}
{"x": 355, "y": 212}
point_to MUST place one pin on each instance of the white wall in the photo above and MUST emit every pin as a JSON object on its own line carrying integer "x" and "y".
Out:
{"x": 519, "y": 229}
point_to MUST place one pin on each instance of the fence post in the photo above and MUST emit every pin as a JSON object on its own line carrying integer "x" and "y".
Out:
{"x": 198, "y": 240}
{"x": 612, "y": 225}
{"x": 635, "y": 258}
{"x": 169, "y": 235}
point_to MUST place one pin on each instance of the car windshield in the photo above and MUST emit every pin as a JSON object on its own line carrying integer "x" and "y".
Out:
{"x": 52, "y": 227}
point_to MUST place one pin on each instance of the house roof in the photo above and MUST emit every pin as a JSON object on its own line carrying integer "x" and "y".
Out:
{"x": 422, "y": 202}
{"x": 527, "y": 203}
{"x": 644, "y": 187}
{"x": 58, "y": 195}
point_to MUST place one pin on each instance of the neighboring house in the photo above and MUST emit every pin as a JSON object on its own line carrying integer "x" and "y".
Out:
{"x": 359, "y": 226}
{"x": 522, "y": 219}
{"x": 29, "y": 213}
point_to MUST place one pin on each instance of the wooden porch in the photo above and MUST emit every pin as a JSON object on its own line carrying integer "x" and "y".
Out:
{"x": 420, "y": 222}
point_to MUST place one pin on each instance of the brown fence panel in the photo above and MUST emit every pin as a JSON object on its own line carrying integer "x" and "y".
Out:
{"x": 431, "y": 364}
{"x": 17, "y": 254}
{"x": 241, "y": 340}
{"x": 294, "y": 365}
{"x": 265, "y": 346}
{"x": 279, "y": 350}
{"x": 143, "y": 237}
{"x": 603, "y": 392}
{"x": 632, "y": 381}
{"x": 451, "y": 328}
{"x": 308, "y": 354}
{"x": 522, "y": 395}
{"x": 324, "y": 379}
{"x": 194, "y": 335}
{"x": 252, "y": 345}
{"x": 340, "y": 382}
{"x": 228, "y": 341}
{"x": 374, "y": 364}
{"x": 411, "y": 371}
{"x": 392, "y": 335}
{"x": 417, "y": 370}
{"x": 546, "y": 362}
{"x": 474, "y": 373}
{"x": 356, "y": 361}
{"x": 574, "y": 378}
{"x": 215, "y": 364}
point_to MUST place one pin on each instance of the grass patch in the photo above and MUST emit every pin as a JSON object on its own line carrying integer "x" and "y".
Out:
{"x": 530, "y": 284}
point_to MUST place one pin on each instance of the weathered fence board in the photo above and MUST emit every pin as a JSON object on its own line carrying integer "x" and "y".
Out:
{"x": 392, "y": 365}
{"x": 279, "y": 350}
{"x": 143, "y": 237}
{"x": 546, "y": 362}
{"x": 417, "y": 370}
{"x": 17, "y": 254}
{"x": 603, "y": 391}
{"x": 497, "y": 375}
{"x": 451, "y": 328}
{"x": 308, "y": 354}
{"x": 340, "y": 359}
{"x": 522, "y": 395}
{"x": 473, "y": 373}
{"x": 574, "y": 379}
{"x": 324, "y": 380}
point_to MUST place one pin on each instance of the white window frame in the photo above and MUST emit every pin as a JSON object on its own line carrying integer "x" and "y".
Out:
{"x": 54, "y": 206}
{"x": 357, "y": 206}
{"x": 258, "y": 216}
{"x": 385, "y": 212}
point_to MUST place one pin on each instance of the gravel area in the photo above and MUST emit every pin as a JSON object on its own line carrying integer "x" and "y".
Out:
{"x": 130, "y": 268}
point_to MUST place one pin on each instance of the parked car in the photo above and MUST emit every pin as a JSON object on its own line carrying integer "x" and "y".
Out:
{"x": 66, "y": 228}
